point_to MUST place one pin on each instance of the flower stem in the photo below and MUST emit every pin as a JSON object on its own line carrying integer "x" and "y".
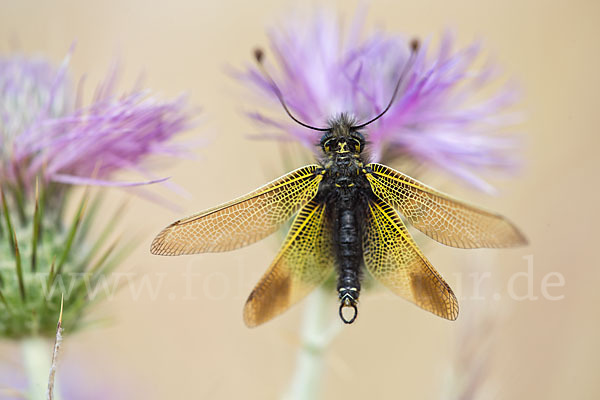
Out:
{"x": 318, "y": 330}
{"x": 37, "y": 356}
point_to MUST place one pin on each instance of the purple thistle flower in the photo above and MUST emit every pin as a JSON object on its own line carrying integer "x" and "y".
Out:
{"x": 44, "y": 131}
{"x": 437, "y": 118}
{"x": 48, "y": 137}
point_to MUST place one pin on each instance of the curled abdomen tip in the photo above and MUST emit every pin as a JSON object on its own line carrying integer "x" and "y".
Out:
{"x": 350, "y": 314}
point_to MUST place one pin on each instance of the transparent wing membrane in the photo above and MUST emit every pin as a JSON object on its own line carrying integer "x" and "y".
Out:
{"x": 393, "y": 258}
{"x": 305, "y": 260}
{"x": 441, "y": 217}
{"x": 242, "y": 221}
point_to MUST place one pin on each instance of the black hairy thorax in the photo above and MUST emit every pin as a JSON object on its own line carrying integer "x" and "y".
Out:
{"x": 345, "y": 191}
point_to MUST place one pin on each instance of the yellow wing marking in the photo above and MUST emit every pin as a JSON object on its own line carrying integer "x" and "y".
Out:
{"x": 242, "y": 221}
{"x": 393, "y": 258}
{"x": 303, "y": 263}
{"x": 438, "y": 215}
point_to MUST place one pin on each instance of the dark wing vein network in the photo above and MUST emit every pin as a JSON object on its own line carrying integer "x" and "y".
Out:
{"x": 393, "y": 258}
{"x": 242, "y": 221}
{"x": 441, "y": 217}
{"x": 303, "y": 263}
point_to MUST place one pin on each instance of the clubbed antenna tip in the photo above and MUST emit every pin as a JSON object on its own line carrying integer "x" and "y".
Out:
{"x": 259, "y": 55}
{"x": 414, "y": 45}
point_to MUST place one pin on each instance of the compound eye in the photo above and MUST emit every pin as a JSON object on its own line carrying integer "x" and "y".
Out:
{"x": 328, "y": 144}
{"x": 355, "y": 143}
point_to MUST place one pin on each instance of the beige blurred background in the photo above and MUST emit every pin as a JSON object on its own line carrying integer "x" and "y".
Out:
{"x": 169, "y": 346}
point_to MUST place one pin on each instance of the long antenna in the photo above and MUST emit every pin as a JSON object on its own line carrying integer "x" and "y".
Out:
{"x": 414, "y": 47}
{"x": 259, "y": 55}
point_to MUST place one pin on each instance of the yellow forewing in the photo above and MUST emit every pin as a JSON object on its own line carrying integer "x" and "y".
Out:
{"x": 393, "y": 258}
{"x": 441, "y": 217}
{"x": 303, "y": 263}
{"x": 242, "y": 221}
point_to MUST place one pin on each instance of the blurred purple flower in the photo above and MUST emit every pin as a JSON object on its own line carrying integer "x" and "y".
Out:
{"x": 45, "y": 131}
{"x": 439, "y": 118}
{"x": 77, "y": 378}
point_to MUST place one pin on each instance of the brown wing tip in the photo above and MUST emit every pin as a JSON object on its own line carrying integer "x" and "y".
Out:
{"x": 453, "y": 312}
{"x": 515, "y": 239}
{"x": 160, "y": 245}
{"x": 158, "y": 248}
{"x": 250, "y": 314}
{"x": 267, "y": 301}
{"x": 250, "y": 322}
{"x": 521, "y": 238}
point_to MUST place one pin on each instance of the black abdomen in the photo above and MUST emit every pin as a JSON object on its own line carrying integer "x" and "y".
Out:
{"x": 343, "y": 190}
{"x": 349, "y": 256}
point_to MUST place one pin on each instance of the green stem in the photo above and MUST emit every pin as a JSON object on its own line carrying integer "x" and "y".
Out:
{"x": 37, "y": 357}
{"x": 37, "y": 217}
{"x": 3, "y": 300}
{"x": 19, "y": 268}
{"x": 318, "y": 330}
{"x": 7, "y": 219}
{"x": 70, "y": 237}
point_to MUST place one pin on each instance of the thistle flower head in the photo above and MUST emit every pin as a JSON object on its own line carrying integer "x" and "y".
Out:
{"x": 46, "y": 133}
{"x": 48, "y": 142}
{"x": 438, "y": 118}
